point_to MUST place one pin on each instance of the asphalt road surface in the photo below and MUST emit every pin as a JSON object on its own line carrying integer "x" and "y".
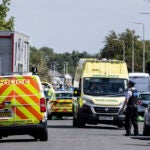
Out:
{"x": 62, "y": 136}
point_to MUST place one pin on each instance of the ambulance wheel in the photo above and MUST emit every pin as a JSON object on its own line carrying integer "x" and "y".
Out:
{"x": 120, "y": 125}
{"x": 81, "y": 124}
{"x": 44, "y": 135}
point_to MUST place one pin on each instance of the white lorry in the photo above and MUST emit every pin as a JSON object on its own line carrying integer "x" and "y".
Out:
{"x": 14, "y": 52}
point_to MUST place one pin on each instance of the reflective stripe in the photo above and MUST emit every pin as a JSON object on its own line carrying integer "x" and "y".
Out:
{"x": 23, "y": 93}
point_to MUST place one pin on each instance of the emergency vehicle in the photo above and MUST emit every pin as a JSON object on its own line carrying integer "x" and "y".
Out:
{"x": 61, "y": 105}
{"x": 22, "y": 106}
{"x": 99, "y": 92}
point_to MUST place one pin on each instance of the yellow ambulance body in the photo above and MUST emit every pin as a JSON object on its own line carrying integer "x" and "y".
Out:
{"x": 103, "y": 103}
{"x": 22, "y": 106}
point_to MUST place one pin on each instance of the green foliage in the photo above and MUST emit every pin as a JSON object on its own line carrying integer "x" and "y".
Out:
{"x": 9, "y": 23}
{"x": 113, "y": 49}
{"x": 45, "y": 57}
{"x": 37, "y": 59}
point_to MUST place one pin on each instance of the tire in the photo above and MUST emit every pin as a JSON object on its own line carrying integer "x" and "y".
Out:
{"x": 81, "y": 119}
{"x": 43, "y": 135}
{"x": 120, "y": 125}
{"x": 146, "y": 130}
{"x": 81, "y": 124}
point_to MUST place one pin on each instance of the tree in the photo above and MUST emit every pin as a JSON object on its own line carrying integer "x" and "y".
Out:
{"x": 4, "y": 23}
{"x": 37, "y": 59}
{"x": 113, "y": 48}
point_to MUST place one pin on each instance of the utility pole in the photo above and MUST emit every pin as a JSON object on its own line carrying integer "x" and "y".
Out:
{"x": 143, "y": 41}
{"x": 123, "y": 46}
{"x": 132, "y": 52}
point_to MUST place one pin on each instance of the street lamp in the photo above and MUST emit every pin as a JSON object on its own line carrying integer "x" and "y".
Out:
{"x": 123, "y": 45}
{"x": 132, "y": 52}
{"x": 53, "y": 65}
{"x": 143, "y": 44}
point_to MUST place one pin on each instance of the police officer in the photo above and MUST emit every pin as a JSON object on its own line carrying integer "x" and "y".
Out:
{"x": 131, "y": 98}
{"x": 50, "y": 92}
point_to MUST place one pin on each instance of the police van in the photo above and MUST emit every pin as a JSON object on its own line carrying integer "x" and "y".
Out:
{"x": 22, "y": 106}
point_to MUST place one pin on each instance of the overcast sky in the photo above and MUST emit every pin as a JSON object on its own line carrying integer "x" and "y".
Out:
{"x": 81, "y": 25}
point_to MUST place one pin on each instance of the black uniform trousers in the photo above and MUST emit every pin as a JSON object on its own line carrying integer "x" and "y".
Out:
{"x": 131, "y": 119}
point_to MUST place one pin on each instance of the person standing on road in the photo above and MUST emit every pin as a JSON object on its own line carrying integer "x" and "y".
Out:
{"x": 50, "y": 92}
{"x": 131, "y": 99}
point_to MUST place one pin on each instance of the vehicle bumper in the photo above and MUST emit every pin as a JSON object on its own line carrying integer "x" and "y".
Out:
{"x": 89, "y": 117}
{"x": 31, "y": 129}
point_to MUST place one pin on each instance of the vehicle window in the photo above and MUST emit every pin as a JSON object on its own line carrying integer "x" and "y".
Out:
{"x": 63, "y": 95}
{"x": 104, "y": 86}
{"x": 145, "y": 97}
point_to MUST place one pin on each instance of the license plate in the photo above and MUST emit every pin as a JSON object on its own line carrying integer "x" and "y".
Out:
{"x": 5, "y": 114}
{"x": 105, "y": 118}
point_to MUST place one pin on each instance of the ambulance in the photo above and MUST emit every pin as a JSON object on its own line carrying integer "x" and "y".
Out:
{"x": 99, "y": 92}
{"x": 22, "y": 106}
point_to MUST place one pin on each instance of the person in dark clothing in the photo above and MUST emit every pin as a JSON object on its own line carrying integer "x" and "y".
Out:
{"x": 131, "y": 99}
{"x": 34, "y": 70}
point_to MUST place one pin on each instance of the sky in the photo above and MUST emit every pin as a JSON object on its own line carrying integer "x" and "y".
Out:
{"x": 79, "y": 25}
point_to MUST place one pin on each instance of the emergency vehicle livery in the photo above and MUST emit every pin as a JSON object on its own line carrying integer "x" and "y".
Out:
{"x": 22, "y": 106}
{"x": 99, "y": 92}
{"x": 61, "y": 105}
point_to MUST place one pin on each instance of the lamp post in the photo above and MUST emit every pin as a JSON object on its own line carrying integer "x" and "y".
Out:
{"x": 143, "y": 44}
{"x": 123, "y": 45}
{"x": 132, "y": 52}
{"x": 53, "y": 65}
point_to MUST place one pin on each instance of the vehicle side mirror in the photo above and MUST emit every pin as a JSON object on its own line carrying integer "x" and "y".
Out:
{"x": 76, "y": 92}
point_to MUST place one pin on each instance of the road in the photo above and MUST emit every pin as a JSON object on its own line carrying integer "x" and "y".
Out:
{"x": 62, "y": 136}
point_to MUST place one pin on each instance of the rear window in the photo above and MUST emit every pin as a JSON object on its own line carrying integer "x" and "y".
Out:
{"x": 63, "y": 95}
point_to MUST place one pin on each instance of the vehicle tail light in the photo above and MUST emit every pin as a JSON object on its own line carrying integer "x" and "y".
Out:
{"x": 43, "y": 105}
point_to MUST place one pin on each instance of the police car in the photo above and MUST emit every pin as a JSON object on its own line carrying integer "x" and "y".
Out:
{"x": 61, "y": 105}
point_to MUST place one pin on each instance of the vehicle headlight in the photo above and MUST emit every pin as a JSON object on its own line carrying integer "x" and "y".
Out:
{"x": 121, "y": 103}
{"x": 88, "y": 101}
